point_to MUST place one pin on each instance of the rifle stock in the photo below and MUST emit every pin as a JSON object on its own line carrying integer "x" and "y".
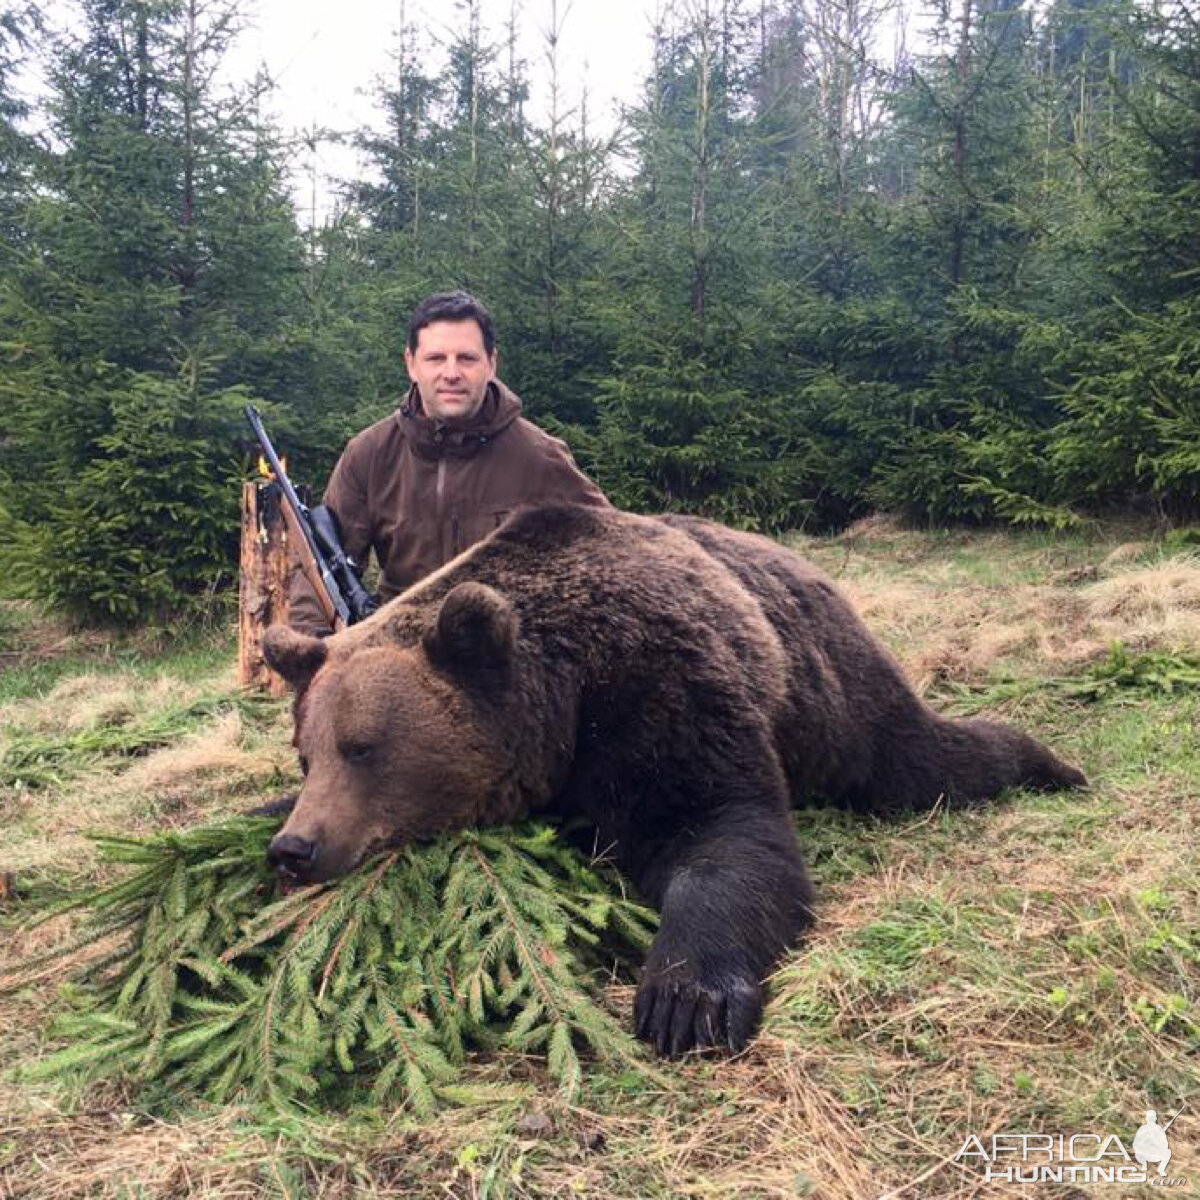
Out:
{"x": 312, "y": 570}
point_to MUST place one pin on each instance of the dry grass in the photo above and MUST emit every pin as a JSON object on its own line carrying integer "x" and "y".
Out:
{"x": 960, "y": 606}
{"x": 212, "y": 768}
{"x": 28, "y": 635}
{"x": 1032, "y": 966}
{"x": 111, "y": 1149}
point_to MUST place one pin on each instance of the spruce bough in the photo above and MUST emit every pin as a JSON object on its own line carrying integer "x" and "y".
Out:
{"x": 370, "y": 988}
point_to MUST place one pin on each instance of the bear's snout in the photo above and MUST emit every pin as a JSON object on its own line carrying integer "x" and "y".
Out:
{"x": 295, "y": 855}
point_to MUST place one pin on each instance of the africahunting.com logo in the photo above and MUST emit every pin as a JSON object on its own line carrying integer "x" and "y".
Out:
{"x": 1075, "y": 1158}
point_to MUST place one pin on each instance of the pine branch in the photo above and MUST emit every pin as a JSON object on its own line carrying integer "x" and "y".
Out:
{"x": 376, "y": 984}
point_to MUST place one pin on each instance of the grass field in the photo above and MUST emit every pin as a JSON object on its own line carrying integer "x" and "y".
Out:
{"x": 1031, "y": 967}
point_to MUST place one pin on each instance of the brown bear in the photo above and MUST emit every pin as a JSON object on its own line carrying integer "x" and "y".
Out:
{"x": 676, "y": 683}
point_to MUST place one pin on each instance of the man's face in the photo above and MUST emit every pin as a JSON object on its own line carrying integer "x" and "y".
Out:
{"x": 450, "y": 368}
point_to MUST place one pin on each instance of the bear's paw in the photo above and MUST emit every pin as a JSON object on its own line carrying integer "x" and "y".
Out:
{"x": 676, "y": 1010}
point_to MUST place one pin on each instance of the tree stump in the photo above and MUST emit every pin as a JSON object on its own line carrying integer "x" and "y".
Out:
{"x": 263, "y": 589}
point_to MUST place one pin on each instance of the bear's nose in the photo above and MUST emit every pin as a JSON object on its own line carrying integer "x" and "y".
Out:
{"x": 287, "y": 852}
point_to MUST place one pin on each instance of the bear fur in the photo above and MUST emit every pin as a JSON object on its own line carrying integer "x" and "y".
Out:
{"x": 678, "y": 684}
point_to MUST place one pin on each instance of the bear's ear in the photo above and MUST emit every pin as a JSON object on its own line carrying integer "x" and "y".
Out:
{"x": 475, "y": 629}
{"x": 296, "y": 656}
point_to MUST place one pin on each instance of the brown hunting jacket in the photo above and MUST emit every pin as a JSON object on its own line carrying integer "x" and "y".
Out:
{"x": 419, "y": 492}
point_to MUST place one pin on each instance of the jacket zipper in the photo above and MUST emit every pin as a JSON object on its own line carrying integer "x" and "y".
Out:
{"x": 439, "y": 489}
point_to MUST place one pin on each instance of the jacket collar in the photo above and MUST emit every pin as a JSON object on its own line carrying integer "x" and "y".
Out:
{"x": 457, "y": 437}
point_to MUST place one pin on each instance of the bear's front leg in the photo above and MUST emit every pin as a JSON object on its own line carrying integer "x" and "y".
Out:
{"x": 734, "y": 895}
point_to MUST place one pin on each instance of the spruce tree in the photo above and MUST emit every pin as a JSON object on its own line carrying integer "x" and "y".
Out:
{"x": 962, "y": 232}
{"x": 1132, "y": 425}
{"x": 162, "y": 265}
{"x": 551, "y": 234}
{"x": 687, "y": 416}
{"x": 18, "y": 27}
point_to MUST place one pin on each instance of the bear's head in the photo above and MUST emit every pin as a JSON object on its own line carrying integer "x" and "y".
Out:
{"x": 397, "y": 742}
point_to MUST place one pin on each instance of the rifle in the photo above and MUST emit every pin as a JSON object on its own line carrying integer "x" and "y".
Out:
{"x": 334, "y": 576}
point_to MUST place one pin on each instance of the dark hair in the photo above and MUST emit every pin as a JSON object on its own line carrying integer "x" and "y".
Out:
{"x": 451, "y": 306}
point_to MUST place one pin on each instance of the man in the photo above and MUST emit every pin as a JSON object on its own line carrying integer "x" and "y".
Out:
{"x": 440, "y": 474}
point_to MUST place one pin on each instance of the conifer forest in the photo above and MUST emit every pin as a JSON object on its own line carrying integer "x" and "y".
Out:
{"x": 817, "y": 269}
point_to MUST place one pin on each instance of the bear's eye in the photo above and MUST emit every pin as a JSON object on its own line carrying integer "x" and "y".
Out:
{"x": 356, "y": 752}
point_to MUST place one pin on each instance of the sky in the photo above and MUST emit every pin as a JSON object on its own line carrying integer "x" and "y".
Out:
{"x": 325, "y": 56}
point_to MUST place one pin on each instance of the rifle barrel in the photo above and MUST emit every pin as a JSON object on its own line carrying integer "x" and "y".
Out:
{"x": 1175, "y": 1117}
{"x": 252, "y": 415}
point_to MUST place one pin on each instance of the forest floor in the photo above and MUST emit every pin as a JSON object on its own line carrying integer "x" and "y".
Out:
{"x": 1032, "y": 967}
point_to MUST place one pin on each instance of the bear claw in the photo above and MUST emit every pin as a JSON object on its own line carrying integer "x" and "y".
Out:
{"x": 675, "y": 1016}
